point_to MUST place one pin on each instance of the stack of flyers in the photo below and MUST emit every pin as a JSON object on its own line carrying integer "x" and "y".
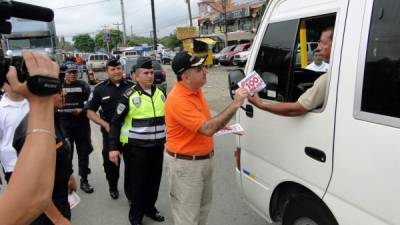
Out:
{"x": 73, "y": 199}
{"x": 234, "y": 128}
{"x": 253, "y": 83}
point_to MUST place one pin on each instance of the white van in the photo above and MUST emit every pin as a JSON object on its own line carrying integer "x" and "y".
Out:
{"x": 338, "y": 164}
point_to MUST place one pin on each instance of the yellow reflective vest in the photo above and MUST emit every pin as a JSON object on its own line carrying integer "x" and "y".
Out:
{"x": 144, "y": 124}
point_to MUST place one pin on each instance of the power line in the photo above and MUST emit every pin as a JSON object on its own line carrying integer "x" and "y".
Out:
{"x": 83, "y": 4}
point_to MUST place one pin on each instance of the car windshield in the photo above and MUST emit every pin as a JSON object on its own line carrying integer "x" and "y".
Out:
{"x": 226, "y": 49}
{"x": 239, "y": 48}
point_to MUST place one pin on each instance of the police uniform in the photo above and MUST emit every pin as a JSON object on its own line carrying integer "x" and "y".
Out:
{"x": 138, "y": 130}
{"x": 63, "y": 169}
{"x": 77, "y": 127}
{"x": 105, "y": 96}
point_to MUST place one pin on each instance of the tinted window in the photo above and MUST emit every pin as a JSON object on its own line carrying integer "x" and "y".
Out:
{"x": 274, "y": 56}
{"x": 381, "y": 85}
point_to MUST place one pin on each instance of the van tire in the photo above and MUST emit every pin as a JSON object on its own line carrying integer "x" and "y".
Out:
{"x": 305, "y": 209}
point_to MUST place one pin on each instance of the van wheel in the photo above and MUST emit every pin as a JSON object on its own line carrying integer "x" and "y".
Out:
{"x": 307, "y": 210}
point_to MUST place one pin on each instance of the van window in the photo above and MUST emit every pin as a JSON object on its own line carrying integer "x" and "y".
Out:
{"x": 273, "y": 59}
{"x": 381, "y": 82}
{"x": 279, "y": 57}
{"x": 304, "y": 75}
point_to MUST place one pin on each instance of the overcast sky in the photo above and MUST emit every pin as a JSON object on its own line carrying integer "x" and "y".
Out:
{"x": 91, "y": 15}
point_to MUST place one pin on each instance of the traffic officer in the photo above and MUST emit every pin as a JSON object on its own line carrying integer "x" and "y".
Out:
{"x": 138, "y": 130}
{"x": 74, "y": 121}
{"x": 106, "y": 95}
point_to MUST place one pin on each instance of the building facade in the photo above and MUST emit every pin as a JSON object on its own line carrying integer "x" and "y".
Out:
{"x": 242, "y": 19}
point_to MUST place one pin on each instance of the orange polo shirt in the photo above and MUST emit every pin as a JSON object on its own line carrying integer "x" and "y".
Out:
{"x": 185, "y": 112}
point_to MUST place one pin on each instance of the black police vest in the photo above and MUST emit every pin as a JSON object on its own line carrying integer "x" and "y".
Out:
{"x": 76, "y": 95}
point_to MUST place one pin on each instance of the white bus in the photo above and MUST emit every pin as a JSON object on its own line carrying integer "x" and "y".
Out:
{"x": 340, "y": 163}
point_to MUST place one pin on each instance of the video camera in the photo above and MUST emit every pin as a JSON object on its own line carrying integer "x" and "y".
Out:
{"x": 38, "y": 85}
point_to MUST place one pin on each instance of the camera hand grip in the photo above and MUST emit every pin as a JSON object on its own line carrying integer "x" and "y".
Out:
{"x": 43, "y": 86}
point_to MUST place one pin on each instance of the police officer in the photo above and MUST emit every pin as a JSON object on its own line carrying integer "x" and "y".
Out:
{"x": 106, "y": 95}
{"x": 74, "y": 121}
{"x": 138, "y": 130}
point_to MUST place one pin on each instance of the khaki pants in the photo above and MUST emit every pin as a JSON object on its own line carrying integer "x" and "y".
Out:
{"x": 190, "y": 185}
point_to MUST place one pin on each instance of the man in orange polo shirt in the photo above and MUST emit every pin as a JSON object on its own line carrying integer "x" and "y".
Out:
{"x": 190, "y": 145}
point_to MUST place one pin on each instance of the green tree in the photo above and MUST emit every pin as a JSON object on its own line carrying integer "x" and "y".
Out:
{"x": 170, "y": 41}
{"x": 83, "y": 43}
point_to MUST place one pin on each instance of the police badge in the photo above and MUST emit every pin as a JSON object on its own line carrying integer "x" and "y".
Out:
{"x": 163, "y": 98}
{"x": 120, "y": 108}
{"x": 137, "y": 101}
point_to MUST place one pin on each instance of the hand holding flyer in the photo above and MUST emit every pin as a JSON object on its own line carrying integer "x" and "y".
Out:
{"x": 231, "y": 129}
{"x": 73, "y": 199}
{"x": 253, "y": 83}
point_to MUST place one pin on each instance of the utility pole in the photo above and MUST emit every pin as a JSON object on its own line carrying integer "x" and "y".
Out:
{"x": 123, "y": 22}
{"x": 224, "y": 6}
{"x": 190, "y": 12}
{"x": 154, "y": 25}
{"x": 131, "y": 31}
{"x": 118, "y": 24}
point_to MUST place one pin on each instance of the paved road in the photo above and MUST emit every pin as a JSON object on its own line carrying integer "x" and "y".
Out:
{"x": 228, "y": 207}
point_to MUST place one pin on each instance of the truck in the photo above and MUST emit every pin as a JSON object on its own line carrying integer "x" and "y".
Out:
{"x": 29, "y": 34}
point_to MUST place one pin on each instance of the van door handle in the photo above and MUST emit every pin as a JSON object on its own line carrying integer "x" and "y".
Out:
{"x": 249, "y": 110}
{"x": 315, "y": 154}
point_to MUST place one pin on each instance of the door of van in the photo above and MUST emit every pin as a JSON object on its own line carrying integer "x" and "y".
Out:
{"x": 279, "y": 150}
{"x": 366, "y": 180}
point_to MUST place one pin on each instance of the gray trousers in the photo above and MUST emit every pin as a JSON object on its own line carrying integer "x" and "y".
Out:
{"x": 190, "y": 185}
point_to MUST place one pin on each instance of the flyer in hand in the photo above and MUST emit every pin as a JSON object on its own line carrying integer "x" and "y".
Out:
{"x": 234, "y": 128}
{"x": 73, "y": 199}
{"x": 253, "y": 83}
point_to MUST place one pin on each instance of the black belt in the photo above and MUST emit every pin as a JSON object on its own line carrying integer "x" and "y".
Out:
{"x": 191, "y": 157}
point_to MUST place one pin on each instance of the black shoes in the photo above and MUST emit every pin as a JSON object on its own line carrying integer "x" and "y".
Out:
{"x": 85, "y": 186}
{"x": 114, "y": 193}
{"x": 156, "y": 217}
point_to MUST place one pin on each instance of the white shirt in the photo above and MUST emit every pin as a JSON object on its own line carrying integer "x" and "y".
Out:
{"x": 11, "y": 114}
{"x": 324, "y": 67}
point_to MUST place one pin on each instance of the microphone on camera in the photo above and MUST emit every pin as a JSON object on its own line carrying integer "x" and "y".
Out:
{"x": 26, "y": 11}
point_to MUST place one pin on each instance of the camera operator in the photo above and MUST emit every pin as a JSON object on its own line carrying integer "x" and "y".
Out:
{"x": 30, "y": 188}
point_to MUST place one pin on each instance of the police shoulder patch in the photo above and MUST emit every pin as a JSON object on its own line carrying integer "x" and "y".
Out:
{"x": 137, "y": 101}
{"x": 120, "y": 108}
{"x": 128, "y": 92}
{"x": 163, "y": 97}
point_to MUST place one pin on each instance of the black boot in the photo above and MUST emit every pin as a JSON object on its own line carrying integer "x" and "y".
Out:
{"x": 85, "y": 186}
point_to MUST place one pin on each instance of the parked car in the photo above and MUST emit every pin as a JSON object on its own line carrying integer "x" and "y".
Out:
{"x": 217, "y": 56}
{"x": 240, "y": 59}
{"x": 127, "y": 64}
{"x": 167, "y": 56}
{"x": 97, "y": 62}
{"x": 130, "y": 53}
{"x": 227, "y": 58}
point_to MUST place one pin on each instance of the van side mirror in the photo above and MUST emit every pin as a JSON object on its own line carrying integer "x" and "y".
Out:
{"x": 233, "y": 79}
